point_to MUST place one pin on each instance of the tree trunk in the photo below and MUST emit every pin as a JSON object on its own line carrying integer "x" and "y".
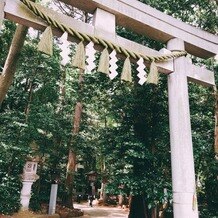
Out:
{"x": 72, "y": 155}
{"x": 154, "y": 213}
{"x": 62, "y": 91}
{"x": 77, "y": 118}
{"x": 39, "y": 181}
{"x": 30, "y": 95}
{"x": 6, "y": 78}
{"x": 103, "y": 195}
{"x": 138, "y": 207}
{"x": 120, "y": 200}
{"x": 76, "y": 125}
{"x": 69, "y": 178}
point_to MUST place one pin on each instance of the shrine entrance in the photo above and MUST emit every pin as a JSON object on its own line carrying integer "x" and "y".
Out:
{"x": 180, "y": 39}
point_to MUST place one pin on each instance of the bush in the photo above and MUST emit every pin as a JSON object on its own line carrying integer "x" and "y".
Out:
{"x": 9, "y": 195}
{"x": 35, "y": 203}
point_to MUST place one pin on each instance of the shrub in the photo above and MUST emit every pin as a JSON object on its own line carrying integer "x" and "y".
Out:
{"x": 9, "y": 195}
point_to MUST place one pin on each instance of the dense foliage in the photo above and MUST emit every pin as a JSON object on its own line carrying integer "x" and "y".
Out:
{"x": 124, "y": 133}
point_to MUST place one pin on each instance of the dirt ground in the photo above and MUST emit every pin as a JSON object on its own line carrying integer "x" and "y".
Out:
{"x": 28, "y": 214}
{"x": 101, "y": 211}
{"x": 89, "y": 212}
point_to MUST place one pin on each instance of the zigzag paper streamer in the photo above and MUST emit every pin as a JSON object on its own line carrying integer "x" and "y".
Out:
{"x": 90, "y": 53}
{"x": 142, "y": 74}
{"x": 113, "y": 66}
{"x": 65, "y": 49}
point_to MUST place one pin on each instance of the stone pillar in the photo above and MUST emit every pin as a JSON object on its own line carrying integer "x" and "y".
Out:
{"x": 29, "y": 176}
{"x": 2, "y": 5}
{"x": 53, "y": 198}
{"x": 182, "y": 161}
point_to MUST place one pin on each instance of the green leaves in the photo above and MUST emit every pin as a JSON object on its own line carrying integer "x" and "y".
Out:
{"x": 9, "y": 187}
{"x": 124, "y": 127}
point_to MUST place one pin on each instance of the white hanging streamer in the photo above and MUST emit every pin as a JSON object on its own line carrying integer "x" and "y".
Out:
{"x": 65, "y": 49}
{"x": 113, "y": 66}
{"x": 90, "y": 53}
{"x": 142, "y": 74}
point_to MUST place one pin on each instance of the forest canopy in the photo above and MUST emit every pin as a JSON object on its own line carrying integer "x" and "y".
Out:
{"x": 118, "y": 129}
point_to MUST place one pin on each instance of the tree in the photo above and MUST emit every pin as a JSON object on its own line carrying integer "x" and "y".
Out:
{"x": 125, "y": 125}
{"x": 6, "y": 78}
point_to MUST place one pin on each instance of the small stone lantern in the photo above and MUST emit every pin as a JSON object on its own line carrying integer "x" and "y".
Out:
{"x": 28, "y": 177}
{"x": 92, "y": 176}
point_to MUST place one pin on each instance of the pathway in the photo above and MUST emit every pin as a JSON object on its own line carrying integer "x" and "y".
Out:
{"x": 101, "y": 211}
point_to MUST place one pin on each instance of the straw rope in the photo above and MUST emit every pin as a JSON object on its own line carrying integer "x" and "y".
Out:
{"x": 81, "y": 36}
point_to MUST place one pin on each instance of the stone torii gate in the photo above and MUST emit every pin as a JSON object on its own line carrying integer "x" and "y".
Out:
{"x": 177, "y": 35}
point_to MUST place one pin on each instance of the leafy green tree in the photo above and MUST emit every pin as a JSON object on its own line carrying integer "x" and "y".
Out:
{"x": 124, "y": 126}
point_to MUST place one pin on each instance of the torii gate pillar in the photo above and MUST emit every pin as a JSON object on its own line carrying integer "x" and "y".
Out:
{"x": 182, "y": 161}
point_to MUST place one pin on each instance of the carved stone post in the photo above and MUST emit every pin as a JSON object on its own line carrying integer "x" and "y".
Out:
{"x": 29, "y": 176}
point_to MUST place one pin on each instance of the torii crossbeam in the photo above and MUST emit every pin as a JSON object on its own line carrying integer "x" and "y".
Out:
{"x": 178, "y": 36}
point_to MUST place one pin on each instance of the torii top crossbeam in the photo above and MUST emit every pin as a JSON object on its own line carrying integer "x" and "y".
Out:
{"x": 131, "y": 14}
{"x": 148, "y": 21}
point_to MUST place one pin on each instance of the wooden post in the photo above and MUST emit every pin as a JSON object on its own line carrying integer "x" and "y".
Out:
{"x": 182, "y": 161}
{"x": 2, "y": 5}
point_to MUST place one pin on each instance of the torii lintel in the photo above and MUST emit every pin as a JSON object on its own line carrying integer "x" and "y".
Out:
{"x": 157, "y": 25}
{"x": 18, "y": 12}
